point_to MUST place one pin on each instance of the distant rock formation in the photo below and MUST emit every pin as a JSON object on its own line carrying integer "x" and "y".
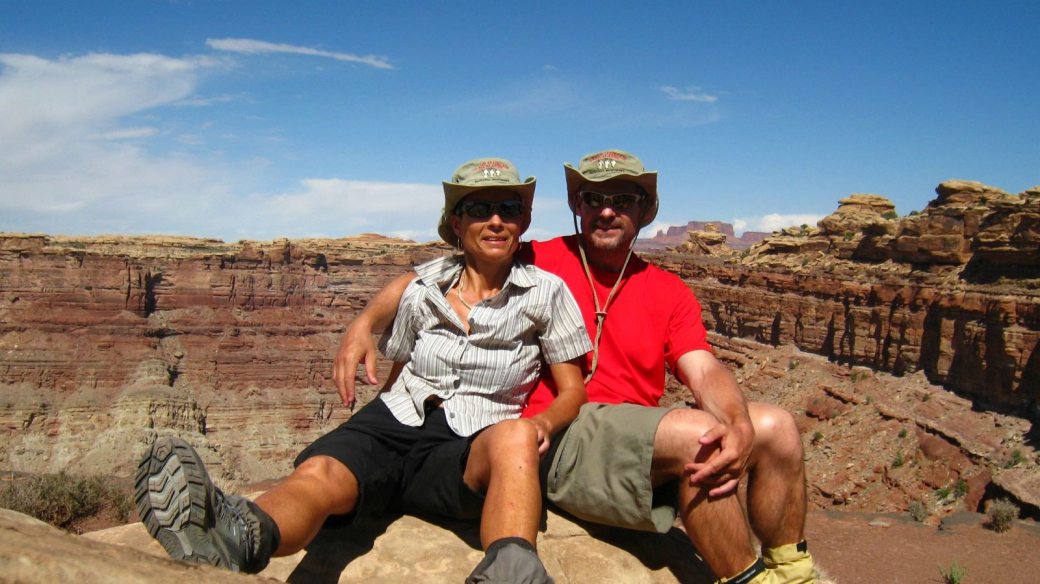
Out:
{"x": 674, "y": 236}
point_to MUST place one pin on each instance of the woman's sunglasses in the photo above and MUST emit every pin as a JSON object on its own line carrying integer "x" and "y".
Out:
{"x": 484, "y": 209}
{"x": 616, "y": 202}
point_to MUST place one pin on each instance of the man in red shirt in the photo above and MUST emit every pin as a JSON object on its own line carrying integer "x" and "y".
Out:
{"x": 624, "y": 461}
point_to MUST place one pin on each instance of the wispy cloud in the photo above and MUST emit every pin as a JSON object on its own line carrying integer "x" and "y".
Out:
{"x": 250, "y": 46}
{"x": 204, "y": 101}
{"x": 773, "y": 222}
{"x": 55, "y": 111}
{"x": 690, "y": 94}
{"x": 129, "y": 133}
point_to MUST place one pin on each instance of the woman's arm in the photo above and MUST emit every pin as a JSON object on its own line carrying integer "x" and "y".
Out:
{"x": 569, "y": 399}
{"x": 358, "y": 347}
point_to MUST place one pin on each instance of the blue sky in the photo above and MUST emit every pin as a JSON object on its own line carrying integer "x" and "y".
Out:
{"x": 260, "y": 119}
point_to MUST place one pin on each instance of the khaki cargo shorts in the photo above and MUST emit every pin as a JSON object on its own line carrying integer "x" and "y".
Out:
{"x": 599, "y": 469}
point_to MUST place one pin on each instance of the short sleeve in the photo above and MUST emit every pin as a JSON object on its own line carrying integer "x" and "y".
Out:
{"x": 686, "y": 332}
{"x": 398, "y": 343}
{"x": 563, "y": 336}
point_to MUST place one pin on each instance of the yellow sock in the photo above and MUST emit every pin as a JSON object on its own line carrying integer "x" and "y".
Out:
{"x": 792, "y": 563}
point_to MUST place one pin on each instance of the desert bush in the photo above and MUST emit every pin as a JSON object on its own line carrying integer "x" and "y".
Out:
{"x": 902, "y": 433}
{"x": 954, "y": 575}
{"x": 899, "y": 461}
{"x": 890, "y": 215}
{"x": 1016, "y": 459}
{"x": 1002, "y": 514}
{"x": 960, "y": 488}
{"x": 918, "y": 511}
{"x": 62, "y": 500}
{"x": 942, "y": 493}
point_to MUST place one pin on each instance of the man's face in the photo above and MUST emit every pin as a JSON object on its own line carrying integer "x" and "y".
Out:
{"x": 604, "y": 224}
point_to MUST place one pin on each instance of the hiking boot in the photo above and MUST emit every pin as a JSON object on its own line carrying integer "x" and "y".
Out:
{"x": 193, "y": 519}
{"x": 510, "y": 560}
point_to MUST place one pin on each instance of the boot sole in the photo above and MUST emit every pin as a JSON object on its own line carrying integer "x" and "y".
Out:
{"x": 172, "y": 493}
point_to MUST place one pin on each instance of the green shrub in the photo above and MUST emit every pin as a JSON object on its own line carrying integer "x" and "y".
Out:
{"x": 1002, "y": 514}
{"x": 926, "y": 397}
{"x": 1015, "y": 460}
{"x": 890, "y": 215}
{"x": 954, "y": 575}
{"x": 792, "y": 365}
{"x": 62, "y": 500}
{"x": 902, "y": 433}
{"x": 817, "y": 436}
{"x": 943, "y": 493}
{"x": 849, "y": 236}
{"x": 960, "y": 488}
{"x": 918, "y": 511}
{"x": 898, "y": 462}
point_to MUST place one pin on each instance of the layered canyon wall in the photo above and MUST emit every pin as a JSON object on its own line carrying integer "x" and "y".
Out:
{"x": 106, "y": 342}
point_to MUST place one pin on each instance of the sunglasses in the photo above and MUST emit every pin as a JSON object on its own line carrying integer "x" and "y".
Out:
{"x": 617, "y": 202}
{"x": 484, "y": 209}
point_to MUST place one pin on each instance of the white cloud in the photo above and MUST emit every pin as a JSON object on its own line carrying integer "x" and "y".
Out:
{"x": 249, "y": 46}
{"x": 691, "y": 94}
{"x": 773, "y": 222}
{"x": 54, "y": 111}
{"x": 129, "y": 133}
{"x": 204, "y": 101}
{"x": 655, "y": 227}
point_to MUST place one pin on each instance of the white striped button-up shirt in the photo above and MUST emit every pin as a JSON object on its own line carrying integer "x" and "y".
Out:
{"x": 483, "y": 377}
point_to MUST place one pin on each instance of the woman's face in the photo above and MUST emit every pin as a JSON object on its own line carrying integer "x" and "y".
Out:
{"x": 490, "y": 224}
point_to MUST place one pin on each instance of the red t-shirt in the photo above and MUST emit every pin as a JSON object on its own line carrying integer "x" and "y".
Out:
{"x": 652, "y": 320}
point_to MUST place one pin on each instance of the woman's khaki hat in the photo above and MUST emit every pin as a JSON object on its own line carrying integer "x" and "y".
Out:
{"x": 477, "y": 175}
{"x": 609, "y": 165}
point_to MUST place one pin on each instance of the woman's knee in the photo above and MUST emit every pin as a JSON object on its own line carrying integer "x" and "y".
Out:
{"x": 514, "y": 436}
{"x": 325, "y": 471}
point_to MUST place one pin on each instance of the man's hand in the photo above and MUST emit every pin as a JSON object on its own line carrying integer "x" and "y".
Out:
{"x": 357, "y": 347}
{"x": 726, "y": 465}
{"x": 730, "y": 441}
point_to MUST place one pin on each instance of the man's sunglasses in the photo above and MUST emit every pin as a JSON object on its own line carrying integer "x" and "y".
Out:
{"x": 616, "y": 202}
{"x": 484, "y": 209}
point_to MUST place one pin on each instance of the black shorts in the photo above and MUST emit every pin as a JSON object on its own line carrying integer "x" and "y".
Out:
{"x": 407, "y": 469}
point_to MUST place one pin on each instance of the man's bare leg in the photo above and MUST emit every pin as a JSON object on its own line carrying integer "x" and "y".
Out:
{"x": 715, "y": 525}
{"x": 776, "y": 494}
{"x": 300, "y": 504}
{"x": 776, "y": 480}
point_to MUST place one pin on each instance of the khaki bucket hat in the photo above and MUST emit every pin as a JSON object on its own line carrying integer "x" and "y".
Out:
{"x": 608, "y": 165}
{"x": 479, "y": 174}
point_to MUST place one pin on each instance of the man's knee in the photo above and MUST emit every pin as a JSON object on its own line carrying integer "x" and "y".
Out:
{"x": 776, "y": 432}
{"x": 678, "y": 436}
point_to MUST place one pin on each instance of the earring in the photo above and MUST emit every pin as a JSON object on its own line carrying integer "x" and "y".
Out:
{"x": 459, "y": 239}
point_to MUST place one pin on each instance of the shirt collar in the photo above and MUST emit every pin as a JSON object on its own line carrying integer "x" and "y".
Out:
{"x": 443, "y": 271}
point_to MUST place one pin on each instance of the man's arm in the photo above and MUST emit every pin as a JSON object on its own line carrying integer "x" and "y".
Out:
{"x": 569, "y": 399}
{"x": 717, "y": 392}
{"x": 357, "y": 345}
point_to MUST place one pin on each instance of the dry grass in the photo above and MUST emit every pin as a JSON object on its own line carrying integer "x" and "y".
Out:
{"x": 68, "y": 502}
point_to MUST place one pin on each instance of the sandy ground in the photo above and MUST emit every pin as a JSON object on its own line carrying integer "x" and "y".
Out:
{"x": 858, "y": 548}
